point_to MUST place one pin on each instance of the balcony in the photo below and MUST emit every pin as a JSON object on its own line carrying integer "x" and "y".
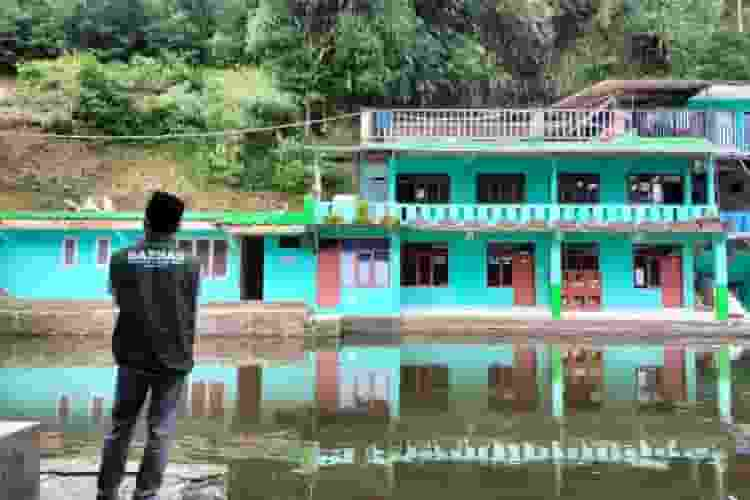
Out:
{"x": 509, "y": 125}
{"x": 526, "y": 216}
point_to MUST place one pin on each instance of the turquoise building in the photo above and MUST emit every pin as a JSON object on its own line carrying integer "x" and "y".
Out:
{"x": 594, "y": 204}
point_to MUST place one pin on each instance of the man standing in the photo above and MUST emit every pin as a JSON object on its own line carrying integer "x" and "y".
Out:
{"x": 155, "y": 287}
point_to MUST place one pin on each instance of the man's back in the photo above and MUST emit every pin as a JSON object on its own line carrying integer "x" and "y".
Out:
{"x": 156, "y": 289}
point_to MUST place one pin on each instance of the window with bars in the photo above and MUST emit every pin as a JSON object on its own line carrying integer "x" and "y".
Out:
{"x": 500, "y": 188}
{"x": 423, "y": 188}
{"x": 499, "y": 270}
{"x": 103, "y": 251}
{"x": 371, "y": 268}
{"x": 424, "y": 265}
{"x": 213, "y": 255}
{"x": 70, "y": 251}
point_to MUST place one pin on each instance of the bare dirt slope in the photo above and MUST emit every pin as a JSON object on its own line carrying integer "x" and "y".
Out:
{"x": 39, "y": 173}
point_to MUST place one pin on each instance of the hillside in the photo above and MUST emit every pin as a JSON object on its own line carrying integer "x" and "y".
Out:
{"x": 40, "y": 174}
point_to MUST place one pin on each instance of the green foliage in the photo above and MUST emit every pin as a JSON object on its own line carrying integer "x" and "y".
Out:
{"x": 104, "y": 102}
{"x": 725, "y": 56}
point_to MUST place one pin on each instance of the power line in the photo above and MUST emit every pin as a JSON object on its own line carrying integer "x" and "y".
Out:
{"x": 229, "y": 132}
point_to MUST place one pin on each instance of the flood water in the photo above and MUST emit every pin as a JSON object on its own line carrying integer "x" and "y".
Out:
{"x": 393, "y": 418}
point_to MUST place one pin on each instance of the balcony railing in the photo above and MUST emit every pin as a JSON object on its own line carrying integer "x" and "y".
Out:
{"x": 349, "y": 213}
{"x": 550, "y": 124}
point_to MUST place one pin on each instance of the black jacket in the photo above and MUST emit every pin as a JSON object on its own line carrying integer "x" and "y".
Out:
{"x": 156, "y": 288}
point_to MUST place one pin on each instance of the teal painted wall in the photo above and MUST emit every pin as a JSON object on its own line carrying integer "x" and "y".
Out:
{"x": 463, "y": 173}
{"x": 467, "y": 281}
{"x": 32, "y": 266}
{"x": 620, "y": 364}
{"x": 288, "y": 273}
{"x": 467, "y": 275}
{"x": 457, "y": 356}
{"x": 42, "y": 387}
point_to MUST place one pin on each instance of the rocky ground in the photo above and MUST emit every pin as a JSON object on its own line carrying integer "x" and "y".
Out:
{"x": 71, "y": 480}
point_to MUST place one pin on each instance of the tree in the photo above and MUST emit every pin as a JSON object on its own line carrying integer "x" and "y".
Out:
{"x": 725, "y": 56}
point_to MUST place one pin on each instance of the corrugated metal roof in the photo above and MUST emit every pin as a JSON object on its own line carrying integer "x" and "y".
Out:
{"x": 620, "y": 87}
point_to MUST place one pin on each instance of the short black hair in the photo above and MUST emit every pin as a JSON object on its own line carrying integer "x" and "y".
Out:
{"x": 164, "y": 212}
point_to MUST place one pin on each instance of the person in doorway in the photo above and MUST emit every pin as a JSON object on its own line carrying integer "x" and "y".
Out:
{"x": 156, "y": 287}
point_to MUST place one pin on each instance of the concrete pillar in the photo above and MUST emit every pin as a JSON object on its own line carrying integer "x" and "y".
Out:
{"x": 721, "y": 289}
{"x": 688, "y": 201}
{"x": 711, "y": 182}
{"x": 690, "y": 379}
{"x": 555, "y": 275}
{"x": 688, "y": 275}
{"x": 395, "y": 272}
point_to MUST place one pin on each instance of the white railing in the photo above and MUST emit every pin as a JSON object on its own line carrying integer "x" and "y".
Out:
{"x": 483, "y": 124}
{"x": 606, "y": 213}
{"x": 420, "y": 124}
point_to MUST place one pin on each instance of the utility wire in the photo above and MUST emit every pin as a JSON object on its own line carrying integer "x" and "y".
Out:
{"x": 229, "y": 132}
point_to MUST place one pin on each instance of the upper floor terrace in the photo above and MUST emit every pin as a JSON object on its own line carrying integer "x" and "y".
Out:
{"x": 720, "y": 126}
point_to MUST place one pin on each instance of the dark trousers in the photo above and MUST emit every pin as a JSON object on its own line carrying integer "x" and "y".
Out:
{"x": 130, "y": 395}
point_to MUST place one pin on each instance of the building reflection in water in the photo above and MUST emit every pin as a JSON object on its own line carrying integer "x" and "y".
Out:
{"x": 418, "y": 386}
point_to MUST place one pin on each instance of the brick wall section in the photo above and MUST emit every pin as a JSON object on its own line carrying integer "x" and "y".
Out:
{"x": 255, "y": 320}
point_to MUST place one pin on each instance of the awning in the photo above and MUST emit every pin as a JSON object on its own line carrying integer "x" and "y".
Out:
{"x": 114, "y": 225}
{"x": 262, "y": 229}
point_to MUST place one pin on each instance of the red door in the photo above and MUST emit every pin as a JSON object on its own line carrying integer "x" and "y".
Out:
{"x": 329, "y": 273}
{"x": 671, "y": 280}
{"x": 674, "y": 371}
{"x": 523, "y": 280}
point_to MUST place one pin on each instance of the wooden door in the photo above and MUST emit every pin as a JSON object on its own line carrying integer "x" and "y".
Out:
{"x": 329, "y": 273}
{"x": 327, "y": 381}
{"x": 670, "y": 267}
{"x": 524, "y": 293}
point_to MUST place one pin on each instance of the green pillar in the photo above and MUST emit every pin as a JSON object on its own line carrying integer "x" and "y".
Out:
{"x": 395, "y": 272}
{"x": 392, "y": 178}
{"x": 689, "y": 184}
{"x": 688, "y": 275}
{"x": 557, "y": 379}
{"x": 725, "y": 382}
{"x": 555, "y": 276}
{"x": 721, "y": 290}
{"x": 553, "y": 183}
{"x": 710, "y": 182}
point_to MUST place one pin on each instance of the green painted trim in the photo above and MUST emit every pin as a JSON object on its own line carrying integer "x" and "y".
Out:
{"x": 307, "y": 216}
{"x": 555, "y": 300}
{"x": 718, "y": 104}
{"x": 721, "y": 302}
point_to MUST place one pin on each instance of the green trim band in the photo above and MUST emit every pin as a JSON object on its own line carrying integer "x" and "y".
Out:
{"x": 721, "y": 303}
{"x": 555, "y": 300}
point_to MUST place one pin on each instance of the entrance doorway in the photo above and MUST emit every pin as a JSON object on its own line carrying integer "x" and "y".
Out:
{"x": 512, "y": 266}
{"x": 582, "y": 281}
{"x": 659, "y": 267}
{"x": 251, "y": 276}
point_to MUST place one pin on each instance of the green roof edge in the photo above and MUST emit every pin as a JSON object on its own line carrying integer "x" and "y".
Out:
{"x": 306, "y": 216}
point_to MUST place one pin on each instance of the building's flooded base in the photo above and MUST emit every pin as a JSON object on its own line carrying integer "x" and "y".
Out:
{"x": 400, "y": 418}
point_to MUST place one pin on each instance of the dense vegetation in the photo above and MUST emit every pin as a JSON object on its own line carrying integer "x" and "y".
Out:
{"x": 149, "y": 67}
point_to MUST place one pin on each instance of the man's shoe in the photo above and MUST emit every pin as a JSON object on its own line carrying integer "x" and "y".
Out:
{"x": 138, "y": 495}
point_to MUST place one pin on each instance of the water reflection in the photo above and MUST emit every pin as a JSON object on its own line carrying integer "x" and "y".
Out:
{"x": 515, "y": 419}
